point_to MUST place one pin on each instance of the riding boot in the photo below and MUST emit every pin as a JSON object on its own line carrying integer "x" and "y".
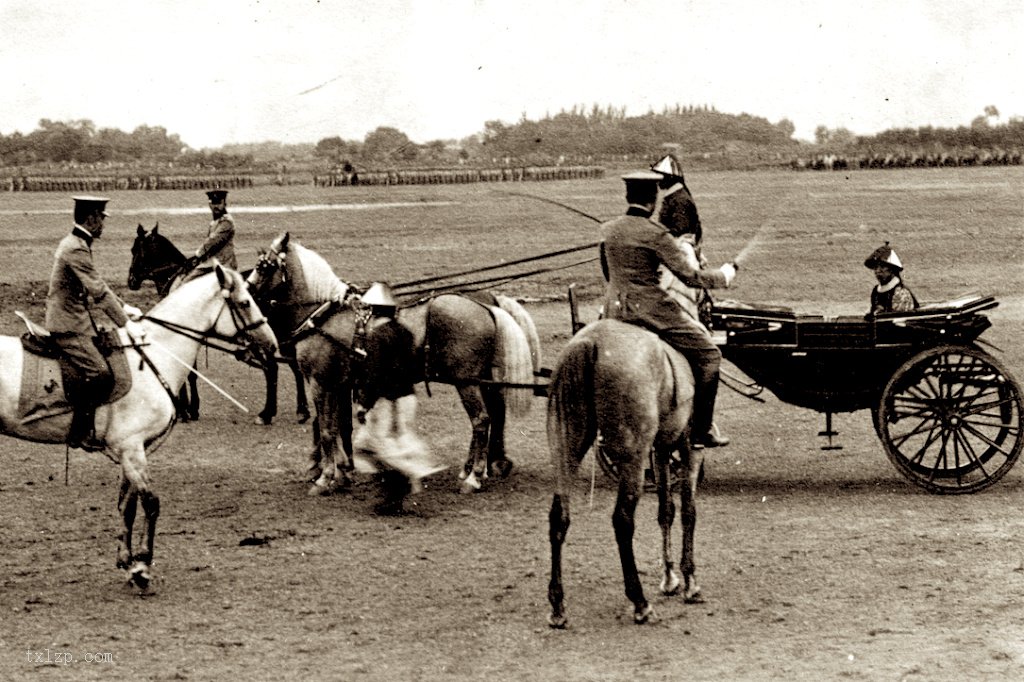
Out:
{"x": 705, "y": 394}
{"x": 87, "y": 397}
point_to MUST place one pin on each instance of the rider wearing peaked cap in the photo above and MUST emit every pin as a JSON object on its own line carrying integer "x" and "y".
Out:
{"x": 220, "y": 239}
{"x": 890, "y": 294}
{"x": 75, "y": 292}
{"x": 633, "y": 248}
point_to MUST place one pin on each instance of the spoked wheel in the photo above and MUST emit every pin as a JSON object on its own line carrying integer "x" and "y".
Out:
{"x": 950, "y": 420}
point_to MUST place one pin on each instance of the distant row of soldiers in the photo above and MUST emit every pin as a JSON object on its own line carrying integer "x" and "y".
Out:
{"x": 456, "y": 176}
{"x": 105, "y": 184}
{"x": 1012, "y": 157}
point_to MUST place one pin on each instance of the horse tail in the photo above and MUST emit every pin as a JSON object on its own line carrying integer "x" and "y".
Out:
{"x": 513, "y": 362}
{"x": 571, "y": 418}
{"x": 525, "y": 322}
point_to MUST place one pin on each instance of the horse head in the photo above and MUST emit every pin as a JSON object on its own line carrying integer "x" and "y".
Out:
{"x": 154, "y": 257}
{"x": 271, "y": 271}
{"x": 246, "y": 322}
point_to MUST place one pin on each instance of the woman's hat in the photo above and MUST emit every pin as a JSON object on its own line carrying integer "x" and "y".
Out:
{"x": 884, "y": 255}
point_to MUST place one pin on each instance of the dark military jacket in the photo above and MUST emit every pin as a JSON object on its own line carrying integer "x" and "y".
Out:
{"x": 632, "y": 248}
{"x": 219, "y": 244}
{"x": 76, "y": 288}
{"x": 679, "y": 213}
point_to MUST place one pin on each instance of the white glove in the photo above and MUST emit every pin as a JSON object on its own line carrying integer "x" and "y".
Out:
{"x": 132, "y": 312}
{"x": 135, "y": 330}
{"x": 729, "y": 270}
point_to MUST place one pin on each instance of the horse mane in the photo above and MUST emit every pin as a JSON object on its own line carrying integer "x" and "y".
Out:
{"x": 321, "y": 282}
{"x": 174, "y": 254}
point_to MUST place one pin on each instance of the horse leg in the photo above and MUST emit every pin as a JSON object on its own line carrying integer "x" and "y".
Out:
{"x": 301, "y": 404}
{"x": 694, "y": 461}
{"x": 135, "y": 487}
{"x": 666, "y": 515}
{"x": 475, "y": 469}
{"x": 558, "y": 528}
{"x": 327, "y": 421}
{"x": 269, "y": 411}
{"x": 193, "y": 403}
{"x": 624, "y": 523}
{"x": 497, "y": 462}
{"x": 182, "y": 406}
{"x": 126, "y": 500}
{"x": 345, "y": 428}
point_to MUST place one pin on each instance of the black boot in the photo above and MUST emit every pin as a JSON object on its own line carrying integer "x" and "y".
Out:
{"x": 82, "y": 435}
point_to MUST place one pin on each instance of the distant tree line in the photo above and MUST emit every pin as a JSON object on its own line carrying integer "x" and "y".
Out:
{"x": 72, "y": 143}
{"x": 581, "y": 135}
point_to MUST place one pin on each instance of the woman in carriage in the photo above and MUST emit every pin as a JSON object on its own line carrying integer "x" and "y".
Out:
{"x": 890, "y": 294}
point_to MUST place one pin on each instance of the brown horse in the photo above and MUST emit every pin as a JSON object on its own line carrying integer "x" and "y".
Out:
{"x": 624, "y": 382}
{"x": 474, "y": 345}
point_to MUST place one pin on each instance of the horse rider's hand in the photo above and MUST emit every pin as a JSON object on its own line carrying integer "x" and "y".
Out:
{"x": 136, "y": 331}
{"x": 729, "y": 270}
{"x": 132, "y": 312}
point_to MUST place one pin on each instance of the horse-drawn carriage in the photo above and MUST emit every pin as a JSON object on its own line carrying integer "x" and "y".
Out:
{"x": 947, "y": 412}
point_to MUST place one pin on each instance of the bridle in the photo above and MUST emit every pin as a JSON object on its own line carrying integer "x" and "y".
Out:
{"x": 240, "y": 343}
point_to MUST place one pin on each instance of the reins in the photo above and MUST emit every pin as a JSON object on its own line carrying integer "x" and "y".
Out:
{"x": 212, "y": 338}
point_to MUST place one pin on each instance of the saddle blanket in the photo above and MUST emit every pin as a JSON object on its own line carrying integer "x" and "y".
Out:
{"x": 42, "y": 383}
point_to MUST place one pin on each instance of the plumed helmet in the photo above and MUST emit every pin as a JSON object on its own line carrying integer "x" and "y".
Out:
{"x": 669, "y": 166}
{"x": 379, "y": 293}
{"x": 884, "y": 255}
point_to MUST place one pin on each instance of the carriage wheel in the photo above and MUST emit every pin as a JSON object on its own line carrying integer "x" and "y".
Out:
{"x": 950, "y": 420}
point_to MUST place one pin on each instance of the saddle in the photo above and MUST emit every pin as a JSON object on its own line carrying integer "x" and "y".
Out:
{"x": 44, "y": 372}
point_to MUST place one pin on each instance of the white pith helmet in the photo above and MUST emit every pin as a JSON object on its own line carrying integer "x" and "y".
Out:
{"x": 668, "y": 165}
{"x": 379, "y": 293}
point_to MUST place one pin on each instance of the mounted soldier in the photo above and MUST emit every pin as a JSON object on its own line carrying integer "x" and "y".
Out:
{"x": 633, "y": 247}
{"x": 220, "y": 239}
{"x": 76, "y": 290}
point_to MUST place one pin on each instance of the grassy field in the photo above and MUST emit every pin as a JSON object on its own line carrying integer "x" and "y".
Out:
{"x": 955, "y": 229}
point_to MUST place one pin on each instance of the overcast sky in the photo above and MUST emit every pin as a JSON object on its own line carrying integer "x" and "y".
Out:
{"x": 302, "y": 70}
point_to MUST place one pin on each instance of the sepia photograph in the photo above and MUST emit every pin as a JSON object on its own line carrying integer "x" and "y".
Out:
{"x": 475, "y": 340}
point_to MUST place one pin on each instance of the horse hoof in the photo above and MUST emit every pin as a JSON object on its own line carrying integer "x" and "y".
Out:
{"x": 558, "y": 622}
{"x": 502, "y": 467}
{"x": 670, "y": 584}
{"x": 140, "y": 575}
{"x": 645, "y": 615}
{"x": 301, "y": 417}
{"x": 320, "y": 489}
{"x": 470, "y": 485}
{"x": 260, "y": 421}
{"x": 694, "y": 598}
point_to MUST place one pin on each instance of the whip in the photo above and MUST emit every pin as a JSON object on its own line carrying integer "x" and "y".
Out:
{"x": 199, "y": 374}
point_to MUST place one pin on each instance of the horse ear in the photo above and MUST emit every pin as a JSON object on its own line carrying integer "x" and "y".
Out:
{"x": 155, "y": 228}
{"x": 284, "y": 239}
{"x": 222, "y": 275}
{"x": 141, "y": 231}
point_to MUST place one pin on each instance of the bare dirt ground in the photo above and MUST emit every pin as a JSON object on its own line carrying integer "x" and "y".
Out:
{"x": 815, "y": 565}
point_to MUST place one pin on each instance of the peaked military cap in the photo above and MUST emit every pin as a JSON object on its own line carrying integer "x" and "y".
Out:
{"x": 89, "y": 204}
{"x": 884, "y": 255}
{"x": 217, "y": 195}
{"x": 641, "y": 177}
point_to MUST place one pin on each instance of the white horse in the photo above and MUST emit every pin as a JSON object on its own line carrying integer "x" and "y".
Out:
{"x": 215, "y": 306}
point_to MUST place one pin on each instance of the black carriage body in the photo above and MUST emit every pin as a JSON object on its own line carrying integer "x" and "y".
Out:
{"x": 839, "y": 364}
